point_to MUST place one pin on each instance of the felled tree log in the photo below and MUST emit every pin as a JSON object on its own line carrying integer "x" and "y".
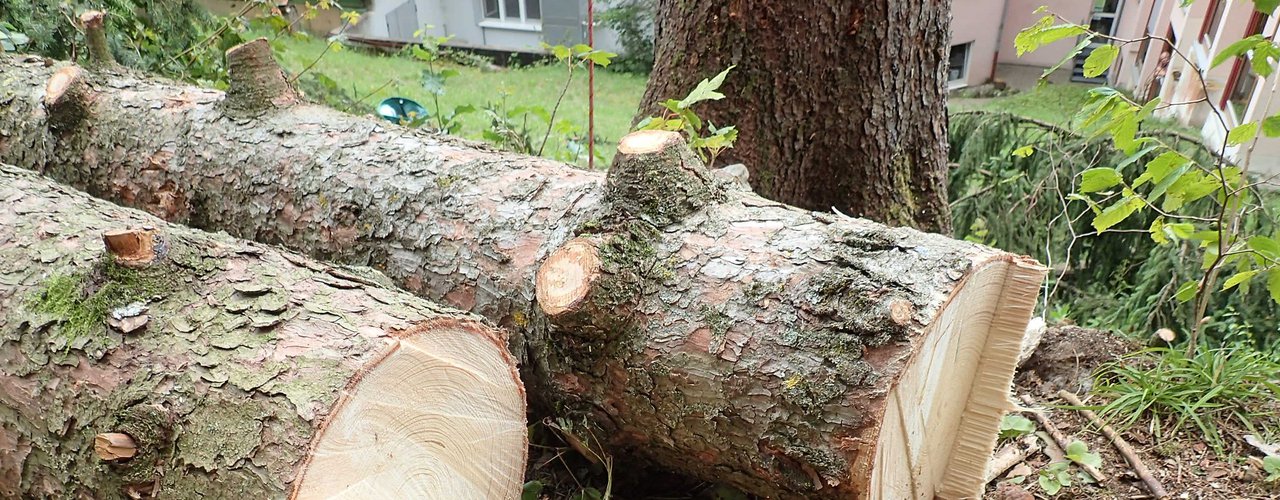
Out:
{"x": 789, "y": 353}
{"x": 172, "y": 363}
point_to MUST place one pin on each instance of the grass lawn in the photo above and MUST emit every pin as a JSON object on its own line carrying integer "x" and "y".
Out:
{"x": 361, "y": 72}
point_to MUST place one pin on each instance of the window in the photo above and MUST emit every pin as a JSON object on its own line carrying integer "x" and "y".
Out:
{"x": 1212, "y": 20}
{"x": 959, "y": 62}
{"x": 1243, "y": 80}
{"x": 513, "y": 10}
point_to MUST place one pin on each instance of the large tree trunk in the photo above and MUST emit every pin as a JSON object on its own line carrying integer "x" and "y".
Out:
{"x": 184, "y": 365}
{"x": 838, "y": 103}
{"x": 722, "y": 335}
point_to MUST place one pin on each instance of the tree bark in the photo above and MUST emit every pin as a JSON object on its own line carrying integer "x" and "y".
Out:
{"x": 159, "y": 361}
{"x": 838, "y": 103}
{"x": 727, "y": 336}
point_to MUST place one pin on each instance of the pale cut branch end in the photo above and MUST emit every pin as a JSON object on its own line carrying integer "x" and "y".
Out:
{"x": 565, "y": 280}
{"x": 114, "y": 446}
{"x": 657, "y": 178}
{"x": 67, "y": 97}
{"x": 131, "y": 247}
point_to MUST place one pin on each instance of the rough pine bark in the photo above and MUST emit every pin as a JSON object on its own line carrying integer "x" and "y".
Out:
{"x": 838, "y": 103}
{"x": 182, "y": 364}
{"x": 729, "y": 337}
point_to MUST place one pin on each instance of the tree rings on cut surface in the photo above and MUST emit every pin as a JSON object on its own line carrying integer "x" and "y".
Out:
{"x": 565, "y": 280}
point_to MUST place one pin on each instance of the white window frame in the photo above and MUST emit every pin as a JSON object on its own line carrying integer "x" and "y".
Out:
{"x": 963, "y": 80}
{"x": 507, "y": 21}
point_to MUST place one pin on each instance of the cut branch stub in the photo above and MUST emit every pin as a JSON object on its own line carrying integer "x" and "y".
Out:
{"x": 67, "y": 97}
{"x": 656, "y": 177}
{"x": 114, "y": 446}
{"x": 131, "y": 247}
{"x": 565, "y": 280}
{"x": 95, "y": 34}
{"x": 257, "y": 82}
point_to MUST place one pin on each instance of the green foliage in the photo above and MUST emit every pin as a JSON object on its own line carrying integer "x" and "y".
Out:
{"x": 532, "y": 490}
{"x": 83, "y": 301}
{"x": 434, "y": 80}
{"x": 1044, "y": 32}
{"x": 144, "y": 34}
{"x": 680, "y": 117}
{"x": 1014, "y": 425}
{"x": 1078, "y": 452}
{"x": 1235, "y": 383}
{"x": 633, "y": 21}
{"x": 1271, "y": 465}
{"x": 11, "y": 39}
{"x": 1055, "y": 477}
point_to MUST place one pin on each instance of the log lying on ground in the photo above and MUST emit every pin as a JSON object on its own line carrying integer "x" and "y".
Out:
{"x": 714, "y": 332}
{"x": 180, "y": 364}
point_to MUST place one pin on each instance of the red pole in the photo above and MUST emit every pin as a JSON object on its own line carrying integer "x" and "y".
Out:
{"x": 591, "y": 87}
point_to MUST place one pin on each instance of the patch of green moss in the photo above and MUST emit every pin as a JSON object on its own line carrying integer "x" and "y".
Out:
{"x": 82, "y": 301}
{"x": 631, "y": 264}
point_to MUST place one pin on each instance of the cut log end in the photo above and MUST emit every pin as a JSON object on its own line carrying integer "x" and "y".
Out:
{"x": 114, "y": 446}
{"x": 440, "y": 415}
{"x": 131, "y": 247}
{"x": 566, "y": 278}
{"x": 942, "y": 418}
{"x": 649, "y": 141}
{"x": 256, "y": 81}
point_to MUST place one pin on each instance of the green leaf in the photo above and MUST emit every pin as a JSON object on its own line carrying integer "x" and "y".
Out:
{"x": 1266, "y": 6}
{"x": 1237, "y": 49}
{"x": 1068, "y": 57}
{"x": 706, "y": 90}
{"x": 1014, "y": 425}
{"x": 1271, "y": 126}
{"x": 1044, "y": 32}
{"x": 1117, "y": 213}
{"x": 1160, "y": 167}
{"x": 1157, "y": 231}
{"x": 1050, "y": 485}
{"x": 1098, "y": 179}
{"x": 1024, "y": 151}
{"x": 1100, "y": 60}
{"x": 1268, "y": 247}
{"x": 532, "y": 490}
{"x": 600, "y": 57}
{"x": 1273, "y": 284}
{"x": 1239, "y": 278}
{"x": 1242, "y": 134}
{"x": 1188, "y": 291}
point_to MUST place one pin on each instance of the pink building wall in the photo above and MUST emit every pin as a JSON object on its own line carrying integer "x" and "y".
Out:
{"x": 976, "y": 22}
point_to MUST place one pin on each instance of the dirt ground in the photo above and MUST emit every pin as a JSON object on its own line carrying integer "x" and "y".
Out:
{"x": 1186, "y": 466}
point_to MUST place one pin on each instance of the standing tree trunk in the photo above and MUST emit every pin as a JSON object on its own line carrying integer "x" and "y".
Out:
{"x": 171, "y": 363}
{"x": 838, "y": 103}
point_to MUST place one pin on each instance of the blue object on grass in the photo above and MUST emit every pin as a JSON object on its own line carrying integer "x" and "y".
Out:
{"x": 401, "y": 110}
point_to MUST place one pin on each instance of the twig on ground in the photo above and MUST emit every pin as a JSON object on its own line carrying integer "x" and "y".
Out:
{"x": 1061, "y": 438}
{"x": 1012, "y": 454}
{"x": 1153, "y": 484}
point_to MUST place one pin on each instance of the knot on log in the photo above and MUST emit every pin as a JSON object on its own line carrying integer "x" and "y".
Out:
{"x": 67, "y": 98}
{"x": 133, "y": 248}
{"x": 257, "y": 84}
{"x": 140, "y": 439}
{"x": 95, "y": 35}
{"x": 657, "y": 178}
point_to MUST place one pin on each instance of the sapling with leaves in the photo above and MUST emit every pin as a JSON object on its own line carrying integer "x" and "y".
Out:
{"x": 577, "y": 56}
{"x": 434, "y": 80}
{"x": 1156, "y": 177}
{"x": 680, "y": 117}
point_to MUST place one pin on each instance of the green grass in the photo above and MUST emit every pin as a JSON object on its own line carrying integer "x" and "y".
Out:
{"x": 361, "y": 72}
{"x": 1228, "y": 384}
